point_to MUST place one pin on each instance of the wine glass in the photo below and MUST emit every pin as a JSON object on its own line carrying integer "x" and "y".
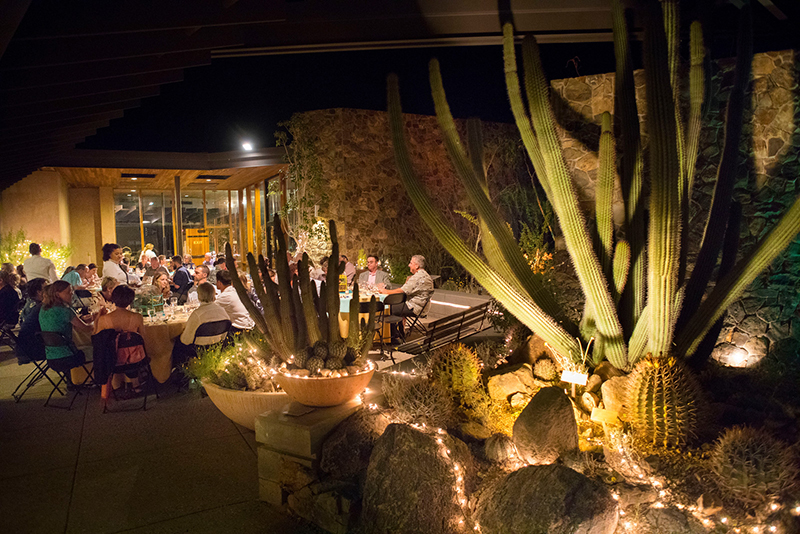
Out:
{"x": 173, "y": 301}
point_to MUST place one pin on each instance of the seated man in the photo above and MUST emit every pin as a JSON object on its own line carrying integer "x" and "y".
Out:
{"x": 373, "y": 276}
{"x": 219, "y": 265}
{"x": 154, "y": 267}
{"x": 181, "y": 281}
{"x": 76, "y": 277}
{"x": 418, "y": 289}
{"x": 232, "y": 304}
{"x": 200, "y": 276}
{"x": 208, "y": 312}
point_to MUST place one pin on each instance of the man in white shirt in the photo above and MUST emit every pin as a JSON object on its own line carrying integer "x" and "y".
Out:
{"x": 208, "y": 312}
{"x": 38, "y": 267}
{"x": 231, "y": 303}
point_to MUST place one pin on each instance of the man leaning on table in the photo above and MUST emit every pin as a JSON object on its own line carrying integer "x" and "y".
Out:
{"x": 38, "y": 267}
{"x": 418, "y": 289}
{"x": 231, "y": 303}
{"x": 373, "y": 276}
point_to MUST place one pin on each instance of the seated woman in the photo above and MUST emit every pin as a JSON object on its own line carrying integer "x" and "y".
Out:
{"x": 91, "y": 274}
{"x": 124, "y": 320}
{"x": 106, "y": 289}
{"x": 57, "y": 316}
{"x": 9, "y": 298}
{"x": 29, "y": 346}
{"x": 23, "y": 281}
{"x": 208, "y": 311}
{"x": 161, "y": 282}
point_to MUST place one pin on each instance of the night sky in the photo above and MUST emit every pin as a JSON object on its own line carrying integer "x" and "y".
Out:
{"x": 217, "y": 106}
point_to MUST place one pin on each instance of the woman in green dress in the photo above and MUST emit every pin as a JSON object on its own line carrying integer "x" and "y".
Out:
{"x": 57, "y": 316}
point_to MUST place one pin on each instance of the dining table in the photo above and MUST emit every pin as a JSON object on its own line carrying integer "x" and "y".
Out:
{"x": 159, "y": 336}
{"x": 344, "y": 312}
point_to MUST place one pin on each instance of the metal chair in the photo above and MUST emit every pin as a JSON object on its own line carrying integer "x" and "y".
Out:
{"x": 393, "y": 300}
{"x": 128, "y": 340}
{"x": 56, "y": 339}
{"x": 212, "y": 329}
{"x": 84, "y": 296}
{"x": 40, "y": 366}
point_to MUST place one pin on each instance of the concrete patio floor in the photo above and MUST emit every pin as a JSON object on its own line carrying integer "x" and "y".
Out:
{"x": 181, "y": 466}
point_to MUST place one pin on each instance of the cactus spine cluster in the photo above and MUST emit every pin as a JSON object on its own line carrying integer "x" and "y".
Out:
{"x": 302, "y": 331}
{"x": 752, "y": 467}
{"x": 635, "y": 299}
{"x": 663, "y": 402}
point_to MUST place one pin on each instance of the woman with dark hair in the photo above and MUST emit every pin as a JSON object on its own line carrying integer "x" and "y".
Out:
{"x": 91, "y": 274}
{"x": 113, "y": 266}
{"x": 23, "y": 280}
{"x": 57, "y": 316}
{"x": 9, "y": 298}
{"x": 29, "y": 346}
{"x": 124, "y": 320}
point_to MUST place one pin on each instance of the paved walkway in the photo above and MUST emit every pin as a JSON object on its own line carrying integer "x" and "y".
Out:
{"x": 181, "y": 466}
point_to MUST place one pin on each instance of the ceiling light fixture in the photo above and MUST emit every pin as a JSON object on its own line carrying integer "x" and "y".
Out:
{"x": 247, "y": 145}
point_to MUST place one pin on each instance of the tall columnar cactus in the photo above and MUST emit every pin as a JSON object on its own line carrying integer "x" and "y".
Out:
{"x": 637, "y": 300}
{"x": 663, "y": 402}
{"x": 295, "y": 317}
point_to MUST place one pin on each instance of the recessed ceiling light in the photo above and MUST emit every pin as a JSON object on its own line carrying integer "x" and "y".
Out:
{"x": 133, "y": 190}
{"x": 134, "y": 178}
{"x": 187, "y": 196}
{"x": 208, "y": 179}
{"x": 129, "y": 194}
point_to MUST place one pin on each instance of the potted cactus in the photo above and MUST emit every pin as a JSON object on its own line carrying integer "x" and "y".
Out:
{"x": 315, "y": 365}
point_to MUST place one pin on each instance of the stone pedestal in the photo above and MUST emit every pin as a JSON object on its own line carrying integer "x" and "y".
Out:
{"x": 288, "y": 463}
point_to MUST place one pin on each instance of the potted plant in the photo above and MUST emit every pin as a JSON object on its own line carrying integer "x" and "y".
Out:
{"x": 317, "y": 366}
{"x": 239, "y": 379}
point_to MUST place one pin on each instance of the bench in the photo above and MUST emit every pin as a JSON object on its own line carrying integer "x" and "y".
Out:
{"x": 448, "y": 329}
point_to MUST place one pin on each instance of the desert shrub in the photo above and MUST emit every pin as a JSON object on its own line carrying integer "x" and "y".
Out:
{"x": 418, "y": 400}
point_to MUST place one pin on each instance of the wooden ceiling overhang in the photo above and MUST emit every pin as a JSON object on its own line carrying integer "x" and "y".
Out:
{"x": 156, "y": 171}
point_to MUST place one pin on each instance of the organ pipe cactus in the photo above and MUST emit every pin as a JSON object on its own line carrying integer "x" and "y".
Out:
{"x": 296, "y": 317}
{"x": 637, "y": 300}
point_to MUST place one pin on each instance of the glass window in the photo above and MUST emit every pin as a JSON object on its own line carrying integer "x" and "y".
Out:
{"x": 217, "y": 208}
{"x": 192, "y": 209}
{"x": 157, "y": 221}
{"x": 126, "y": 216}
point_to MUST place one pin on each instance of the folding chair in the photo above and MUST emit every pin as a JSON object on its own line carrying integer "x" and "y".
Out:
{"x": 212, "y": 329}
{"x": 128, "y": 340}
{"x": 56, "y": 339}
{"x": 416, "y": 324}
{"x": 380, "y": 310}
{"x": 40, "y": 369}
{"x": 84, "y": 298}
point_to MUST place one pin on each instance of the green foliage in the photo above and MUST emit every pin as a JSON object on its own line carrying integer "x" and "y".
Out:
{"x": 753, "y": 467}
{"x": 242, "y": 365}
{"x": 14, "y": 250}
{"x": 398, "y": 269}
{"x": 306, "y": 184}
{"x": 663, "y": 402}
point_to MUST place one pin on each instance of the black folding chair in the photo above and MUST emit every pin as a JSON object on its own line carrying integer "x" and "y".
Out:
{"x": 380, "y": 313}
{"x": 84, "y": 298}
{"x": 61, "y": 368}
{"x": 131, "y": 370}
{"x": 212, "y": 329}
{"x": 40, "y": 366}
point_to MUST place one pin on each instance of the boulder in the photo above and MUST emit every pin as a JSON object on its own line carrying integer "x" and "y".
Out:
{"x": 346, "y": 452}
{"x": 411, "y": 484}
{"x": 614, "y": 391}
{"x": 550, "y": 499}
{"x": 546, "y": 428}
{"x": 605, "y": 370}
{"x": 504, "y": 383}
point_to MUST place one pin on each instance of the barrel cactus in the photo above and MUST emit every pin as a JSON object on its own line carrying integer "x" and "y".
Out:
{"x": 752, "y": 467}
{"x": 545, "y": 369}
{"x": 663, "y": 402}
{"x": 500, "y": 448}
{"x": 416, "y": 399}
{"x": 455, "y": 367}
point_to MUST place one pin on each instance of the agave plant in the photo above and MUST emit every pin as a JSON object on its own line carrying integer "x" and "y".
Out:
{"x": 638, "y": 297}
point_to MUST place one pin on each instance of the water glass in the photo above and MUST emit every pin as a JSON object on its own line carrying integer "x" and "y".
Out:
{"x": 173, "y": 301}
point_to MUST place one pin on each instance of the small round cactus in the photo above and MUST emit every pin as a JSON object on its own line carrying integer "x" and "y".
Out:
{"x": 302, "y": 357}
{"x": 752, "y": 467}
{"x": 337, "y": 349}
{"x": 334, "y": 363}
{"x": 500, "y": 448}
{"x": 321, "y": 349}
{"x": 545, "y": 369}
{"x": 315, "y": 364}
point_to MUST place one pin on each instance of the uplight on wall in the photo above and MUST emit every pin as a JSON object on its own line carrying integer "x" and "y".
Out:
{"x": 247, "y": 145}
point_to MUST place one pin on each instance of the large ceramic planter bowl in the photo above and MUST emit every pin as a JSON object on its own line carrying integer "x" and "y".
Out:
{"x": 242, "y": 407}
{"x": 324, "y": 391}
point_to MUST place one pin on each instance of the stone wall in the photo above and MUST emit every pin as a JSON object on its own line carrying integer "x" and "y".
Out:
{"x": 766, "y": 317}
{"x": 365, "y": 195}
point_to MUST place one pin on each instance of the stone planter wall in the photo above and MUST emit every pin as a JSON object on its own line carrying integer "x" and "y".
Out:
{"x": 765, "y": 318}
